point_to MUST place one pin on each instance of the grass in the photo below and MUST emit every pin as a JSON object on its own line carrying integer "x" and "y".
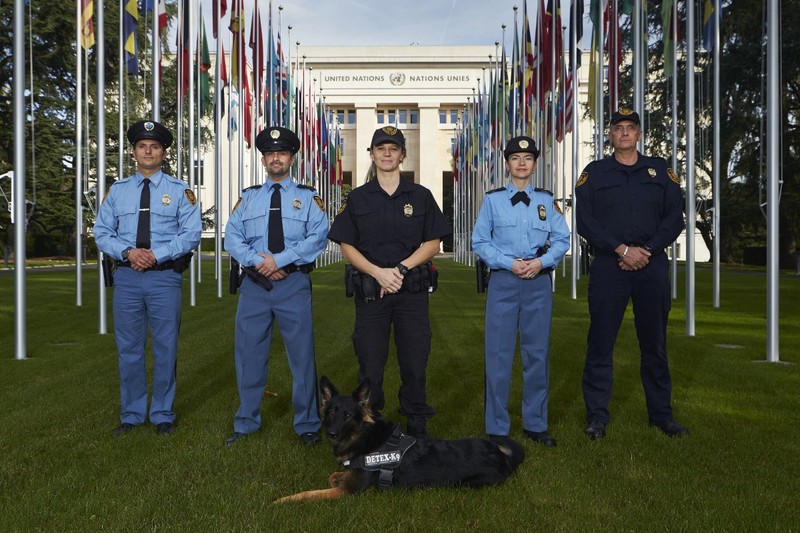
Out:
{"x": 738, "y": 470}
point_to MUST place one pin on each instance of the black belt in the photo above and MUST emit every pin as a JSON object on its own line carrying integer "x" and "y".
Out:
{"x": 166, "y": 265}
{"x": 305, "y": 269}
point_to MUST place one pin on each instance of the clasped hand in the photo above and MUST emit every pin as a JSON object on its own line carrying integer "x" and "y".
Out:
{"x": 527, "y": 269}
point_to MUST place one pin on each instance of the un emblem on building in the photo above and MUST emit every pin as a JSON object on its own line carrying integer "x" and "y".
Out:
{"x": 397, "y": 78}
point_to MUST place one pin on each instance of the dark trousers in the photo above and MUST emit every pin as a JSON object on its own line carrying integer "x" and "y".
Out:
{"x": 408, "y": 314}
{"x": 610, "y": 288}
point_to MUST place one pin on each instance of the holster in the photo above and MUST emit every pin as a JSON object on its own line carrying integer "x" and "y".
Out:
{"x": 109, "y": 265}
{"x": 263, "y": 281}
{"x": 421, "y": 278}
{"x": 180, "y": 264}
{"x": 235, "y": 276}
{"x": 481, "y": 275}
{"x": 362, "y": 286}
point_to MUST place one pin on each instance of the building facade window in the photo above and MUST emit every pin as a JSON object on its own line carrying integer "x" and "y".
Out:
{"x": 403, "y": 116}
{"x": 346, "y": 116}
{"x": 448, "y": 115}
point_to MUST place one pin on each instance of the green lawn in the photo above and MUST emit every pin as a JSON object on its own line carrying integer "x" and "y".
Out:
{"x": 738, "y": 470}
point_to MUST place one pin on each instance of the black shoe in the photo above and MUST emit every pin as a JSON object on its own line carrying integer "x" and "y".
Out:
{"x": 417, "y": 428}
{"x": 233, "y": 438}
{"x": 123, "y": 428}
{"x": 671, "y": 428}
{"x": 310, "y": 438}
{"x": 165, "y": 428}
{"x": 542, "y": 437}
{"x": 497, "y": 439}
{"x": 595, "y": 430}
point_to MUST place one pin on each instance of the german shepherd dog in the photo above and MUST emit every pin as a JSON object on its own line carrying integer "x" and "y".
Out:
{"x": 377, "y": 454}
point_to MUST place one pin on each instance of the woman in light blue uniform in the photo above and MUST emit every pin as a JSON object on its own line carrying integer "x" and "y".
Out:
{"x": 276, "y": 239}
{"x": 521, "y": 236}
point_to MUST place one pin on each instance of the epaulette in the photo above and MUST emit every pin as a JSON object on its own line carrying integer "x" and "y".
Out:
{"x": 304, "y": 186}
{"x": 539, "y": 189}
{"x": 252, "y": 187}
{"x": 496, "y": 190}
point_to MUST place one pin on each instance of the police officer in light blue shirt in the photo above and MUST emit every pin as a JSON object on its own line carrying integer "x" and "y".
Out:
{"x": 276, "y": 232}
{"x": 149, "y": 223}
{"x": 521, "y": 235}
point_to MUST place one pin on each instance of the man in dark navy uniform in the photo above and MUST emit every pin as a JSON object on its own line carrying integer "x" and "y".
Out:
{"x": 389, "y": 230}
{"x": 149, "y": 223}
{"x": 629, "y": 208}
{"x": 276, "y": 232}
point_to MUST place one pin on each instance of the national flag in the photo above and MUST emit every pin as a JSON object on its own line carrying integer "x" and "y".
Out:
{"x": 233, "y": 119}
{"x": 256, "y": 44}
{"x": 216, "y": 17}
{"x": 223, "y": 67}
{"x": 614, "y": 49}
{"x": 248, "y": 108}
{"x": 670, "y": 26}
{"x": 162, "y": 13}
{"x": 576, "y": 12}
{"x": 531, "y": 74}
{"x": 204, "y": 65}
{"x": 284, "y": 82}
{"x": 130, "y": 23}
{"x": 237, "y": 47}
{"x": 87, "y": 24}
{"x": 184, "y": 45}
{"x": 710, "y": 6}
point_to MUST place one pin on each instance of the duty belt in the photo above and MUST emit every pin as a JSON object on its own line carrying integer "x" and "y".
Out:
{"x": 166, "y": 265}
{"x": 305, "y": 269}
{"x": 386, "y": 458}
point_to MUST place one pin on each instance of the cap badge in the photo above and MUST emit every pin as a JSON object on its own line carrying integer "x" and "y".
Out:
{"x": 652, "y": 172}
{"x": 149, "y": 126}
{"x": 166, "y": 200}
{"x": 408, "y": 210}
{"x": 296, "y": 203}
{"x": 542, "y": 212}
{"x": 523, "y": 144}
{"x": 389, "y": 130}
{"x": 625, "y": 111}
{"x": 275, "y": 134}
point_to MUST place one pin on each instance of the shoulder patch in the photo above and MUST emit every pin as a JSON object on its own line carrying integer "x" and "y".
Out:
{"x": 539, "y": 189}
{"x": 320, "y": 203}
{"x": 190, "y": 196}
{"x": 341, "y": 209}
{"x": 674, "y": 177}
{"x": 237, "y": 204}
{"x": 496, "y": 190}
{"x": 304, "y": 186}
{"x": 582, "y": 178}
{"x": 557, "y": 207}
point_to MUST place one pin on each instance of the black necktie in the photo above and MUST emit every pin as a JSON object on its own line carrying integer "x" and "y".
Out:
{"x": 143, "y": 230}
{"x": 521, "y": 196}
{"x": 275, "y": 229}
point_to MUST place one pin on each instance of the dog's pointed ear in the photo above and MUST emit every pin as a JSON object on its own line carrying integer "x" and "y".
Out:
{"x": 326, "y": 392}
{"x": 361, "y": 394}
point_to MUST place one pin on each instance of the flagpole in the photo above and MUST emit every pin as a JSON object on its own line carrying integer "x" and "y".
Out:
{"x": 575, "y": 256}
{"x": 774, "y": 171}
{"x": 156, "y": 107}
{"x": 78, "y": 156}
{"x": 121, "y": 102}
{"x": 674, "y": 40}
{"x": 639, "y": 56}
{"x": 189, "y": 70}
{"x": 716, "y": 165}
{"x": 218, "y": 98}
{"x": 18, "y": 184}
{"x": 598, "y": 93}
{"x": 690, "y": 171}
{"x": 101, "y": 153}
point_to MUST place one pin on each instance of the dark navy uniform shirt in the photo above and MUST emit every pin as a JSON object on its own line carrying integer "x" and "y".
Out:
{"x": 629, "y": 204}
{"x": 387, "y": 229}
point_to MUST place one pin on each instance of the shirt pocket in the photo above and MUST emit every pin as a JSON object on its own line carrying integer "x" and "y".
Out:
{"x": 504, "y": 232}
{"x": 370, "y": 224}
{"x": 127, "y": 216}
{"x": 653, "y": 193}
{"x": 164, "y": 219}
{"x": 294, "y": 224}
{"x": 412, "y": 227}
{"x": 255, "y": 224}
{"x": 538, "y": 231}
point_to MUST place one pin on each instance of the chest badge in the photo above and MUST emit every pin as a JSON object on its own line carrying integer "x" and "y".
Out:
{"x": 166, "y": 200}
{"x": 652, "y": 172}
{"x": 296, "y": 203}
{"x": 542, "y": 212}
{"x": 408, "y": 210}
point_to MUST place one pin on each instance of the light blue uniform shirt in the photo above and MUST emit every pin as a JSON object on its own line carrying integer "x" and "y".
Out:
{"x": 305, "y": 225}
{"x": 174, "y": 221}
{"x": 505, "y": 232}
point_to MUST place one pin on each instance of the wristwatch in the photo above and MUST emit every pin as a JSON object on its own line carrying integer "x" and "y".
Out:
{"x": 125, "y": 253}
{"x": 402, "y": 268}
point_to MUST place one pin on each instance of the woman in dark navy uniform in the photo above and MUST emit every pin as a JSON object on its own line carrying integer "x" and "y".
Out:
{"x": 629, "y": 208}
{"x": 389, "y": 230}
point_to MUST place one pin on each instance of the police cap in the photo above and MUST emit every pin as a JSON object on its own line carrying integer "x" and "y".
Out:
{"x": 625, "y": 113}
{"x": 148, "y": 129}
{"x": 388, "y": 134}
{"x": 277, "y": 139}
{"x": 521, "y": 144}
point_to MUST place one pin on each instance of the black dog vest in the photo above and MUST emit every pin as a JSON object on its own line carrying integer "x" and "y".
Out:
{"x": 386, "y": 458}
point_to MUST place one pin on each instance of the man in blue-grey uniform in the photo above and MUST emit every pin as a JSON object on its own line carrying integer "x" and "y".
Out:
{"x": 276, "y": 232}
{"x": 148, "y": 226}
{"x": 521, "y": 235}
{"x": 629, "y": 208}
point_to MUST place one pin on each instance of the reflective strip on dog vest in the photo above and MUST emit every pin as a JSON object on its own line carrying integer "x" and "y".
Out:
{"x": 386, "y": 458}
